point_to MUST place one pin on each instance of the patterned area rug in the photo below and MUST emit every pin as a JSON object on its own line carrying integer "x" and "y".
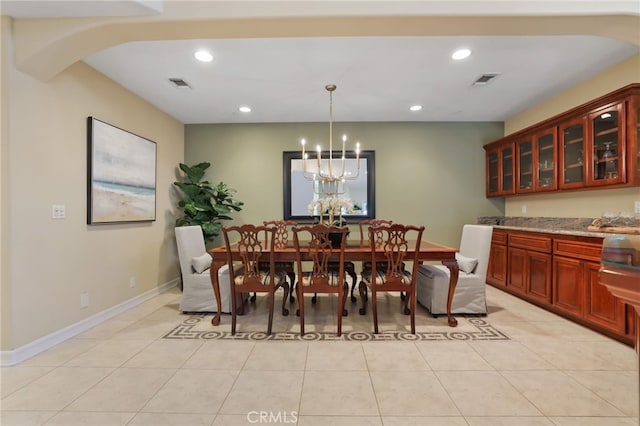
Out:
{"x": 481, "y": 330}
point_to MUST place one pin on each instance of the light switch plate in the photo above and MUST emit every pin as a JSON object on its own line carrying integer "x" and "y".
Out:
{"x": 637, "y": 207}
{"x": 58, "y": 211}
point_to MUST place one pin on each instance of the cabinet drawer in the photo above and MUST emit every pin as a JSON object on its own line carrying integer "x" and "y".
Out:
{"x": 578, "y": 249}
{"x": 499, "y": 237}
{"x": 530, "y": 242}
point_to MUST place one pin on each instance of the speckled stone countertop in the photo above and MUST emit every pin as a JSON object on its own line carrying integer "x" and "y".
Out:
{"x": 550, "y": 225}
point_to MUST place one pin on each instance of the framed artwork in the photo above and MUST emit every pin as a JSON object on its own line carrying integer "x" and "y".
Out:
{"x": 298, "y": 192}
{"x": 121, "y": 175}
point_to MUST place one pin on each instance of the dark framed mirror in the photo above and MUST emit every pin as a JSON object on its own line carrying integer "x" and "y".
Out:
{"x": 298, "y": 191}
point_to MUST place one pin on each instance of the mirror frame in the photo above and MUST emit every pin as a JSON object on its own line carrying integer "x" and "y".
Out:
{"x": 289, "y": 156}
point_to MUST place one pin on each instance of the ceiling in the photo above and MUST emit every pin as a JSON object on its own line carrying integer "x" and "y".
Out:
{"x": 377, "y": 78}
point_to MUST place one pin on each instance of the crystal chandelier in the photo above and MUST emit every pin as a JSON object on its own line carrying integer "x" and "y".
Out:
{"x": 329, "y": 175}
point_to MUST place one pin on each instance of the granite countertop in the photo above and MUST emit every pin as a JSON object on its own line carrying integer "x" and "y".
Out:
{"x": 549, "y": 225}
{"x": 582, "y": 233}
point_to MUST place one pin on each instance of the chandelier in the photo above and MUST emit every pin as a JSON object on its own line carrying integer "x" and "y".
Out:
{"x": 329, "y": 175}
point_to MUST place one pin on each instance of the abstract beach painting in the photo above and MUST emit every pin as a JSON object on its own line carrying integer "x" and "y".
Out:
{"x": 121, "y": 183}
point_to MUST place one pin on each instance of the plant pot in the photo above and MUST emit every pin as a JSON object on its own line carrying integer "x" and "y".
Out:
{"x": 335, "y": 239}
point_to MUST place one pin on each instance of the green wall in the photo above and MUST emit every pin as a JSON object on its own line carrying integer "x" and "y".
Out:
{"x": 430, "y": 174}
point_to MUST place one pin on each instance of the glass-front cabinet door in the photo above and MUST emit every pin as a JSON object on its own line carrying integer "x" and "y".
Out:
{"x": 500, "y": 167}
{"x": 633, "y": 139}
{"x": 525, "y": 166}
{"x": 493, "y": 174}
{"x": 572, "y": 136}
{"x": 507, "y": 166}
{"x": 546, "y": 153}
{"x": 606, "y": 147}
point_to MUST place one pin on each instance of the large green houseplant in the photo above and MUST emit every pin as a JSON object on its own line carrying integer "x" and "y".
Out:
{"x": 205, "y": 204}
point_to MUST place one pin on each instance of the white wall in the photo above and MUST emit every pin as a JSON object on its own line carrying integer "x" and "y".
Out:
{"x": 50, "y": 262}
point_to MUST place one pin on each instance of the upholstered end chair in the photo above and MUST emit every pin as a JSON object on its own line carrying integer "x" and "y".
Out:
{"x": 197, "y": 293}
{"x": 470, "y": 295}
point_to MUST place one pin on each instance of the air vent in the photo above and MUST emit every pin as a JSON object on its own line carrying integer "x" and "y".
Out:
{"x": 484, "y": 79}
{"x": 180, "y": 83}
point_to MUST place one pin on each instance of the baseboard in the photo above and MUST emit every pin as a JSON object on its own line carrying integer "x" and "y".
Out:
{"x": 18, "y": 355}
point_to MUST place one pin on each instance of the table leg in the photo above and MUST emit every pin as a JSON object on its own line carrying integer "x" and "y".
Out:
{"x": 452, "y": 265}
{"x": 213, "y": 272}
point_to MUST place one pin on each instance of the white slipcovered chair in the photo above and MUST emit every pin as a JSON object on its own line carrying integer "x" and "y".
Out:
{"x": 470, "y": 295}
{"x": 197, "y": 292}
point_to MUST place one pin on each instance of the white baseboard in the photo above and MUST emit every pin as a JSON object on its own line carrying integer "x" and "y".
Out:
{"x": 18, "y": 355}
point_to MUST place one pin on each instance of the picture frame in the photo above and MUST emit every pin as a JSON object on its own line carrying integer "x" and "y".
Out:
{"x": 121, "y": 175}
{"x": 298, "y": 192}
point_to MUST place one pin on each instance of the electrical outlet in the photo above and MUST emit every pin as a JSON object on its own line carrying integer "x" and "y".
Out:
{"x": 84, "y": 299}
{"x": 524, "y": 209}
{"x": 132, "y": 282}
{"x": 58, "y": 211}
{"x": 637, "y": 207}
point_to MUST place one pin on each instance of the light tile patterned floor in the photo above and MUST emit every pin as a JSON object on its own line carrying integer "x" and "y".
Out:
{"x": 520, "y": 365}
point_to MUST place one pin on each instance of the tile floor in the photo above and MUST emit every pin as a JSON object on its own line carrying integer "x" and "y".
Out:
{"x": 539, "y": 370}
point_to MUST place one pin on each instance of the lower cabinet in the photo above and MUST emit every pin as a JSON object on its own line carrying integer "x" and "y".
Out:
{"x": 601, "y": 306}
{"x": 497, "y": 268}
{"x": 530, "y": 266}
{"x": 560, "y": 273}
{"x": 568, "y": 285}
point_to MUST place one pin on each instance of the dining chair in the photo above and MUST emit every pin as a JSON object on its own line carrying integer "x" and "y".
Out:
{"x": 250, "y": 247}
{"x": 398, "y": 244}
{"x": 283, "y": 228}
{"x": 312, "y": 244}
{"x": 364, "y": 225}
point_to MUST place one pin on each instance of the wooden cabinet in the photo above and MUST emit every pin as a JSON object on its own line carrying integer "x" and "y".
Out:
{"x": 606, "y": 146}
{"x": 500, "y": 171}
{"x": 559, "y": 273}
{"x": 497, "y": 267}
{"x": 530, "y": 265}
{"x": 592, "y": 146}
{"x": 633, "y": 139}
{"x": 572, "y": 149}
{"x": 568, "y": 284}
{"x": 536, "y": 162}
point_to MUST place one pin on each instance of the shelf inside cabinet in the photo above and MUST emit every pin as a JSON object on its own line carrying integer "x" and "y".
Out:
{"x": 606, "y": 131}
{"x": 573, "y": 141}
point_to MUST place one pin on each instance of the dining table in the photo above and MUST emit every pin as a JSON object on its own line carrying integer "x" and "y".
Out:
{"x": 355, "y": 250}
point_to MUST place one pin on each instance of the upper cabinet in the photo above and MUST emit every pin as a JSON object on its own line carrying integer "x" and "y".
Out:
{"x": 606, "y": 146}
{"x": 537, "y": 161}
{"x": 500, "y": 171}
{"x": 591, "y": 146}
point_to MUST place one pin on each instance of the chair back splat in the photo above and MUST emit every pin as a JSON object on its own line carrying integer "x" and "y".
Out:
{"x": 398, "y": 244}
{"x": 251, "y": 246}
{"x": 282, "y": 240}
{"x": 313, "y": 245}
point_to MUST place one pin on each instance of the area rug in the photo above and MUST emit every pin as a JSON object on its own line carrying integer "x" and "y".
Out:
{"x": 199, "y": 327}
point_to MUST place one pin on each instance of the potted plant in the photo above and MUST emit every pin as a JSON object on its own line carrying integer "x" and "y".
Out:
{"x": 205, "y": 204}
{"x": 333, "y": 208}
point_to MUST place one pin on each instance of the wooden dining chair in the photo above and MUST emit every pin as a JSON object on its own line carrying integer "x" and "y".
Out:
{"x": 364, "y": 225}
{"x": 249, "y": 249}
{"x": 312, "y": 244}
{"x": 387, "y": 271}
{"x": 283, "y": 228}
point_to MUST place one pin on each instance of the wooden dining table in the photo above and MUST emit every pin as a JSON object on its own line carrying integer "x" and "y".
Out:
{"x": 355, "y": 250}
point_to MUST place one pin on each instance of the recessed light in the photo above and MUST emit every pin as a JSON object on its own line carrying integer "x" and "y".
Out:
{"x": 244, "y": 109}
{"x": 415, "y": 107}
{"x": 460, "y": 54}
{"x": 203, "y": 56}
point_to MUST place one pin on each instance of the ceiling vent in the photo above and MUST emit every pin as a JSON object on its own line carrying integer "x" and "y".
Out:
{"x": 180, "y": 83}
{"x": 485, "y": 79}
